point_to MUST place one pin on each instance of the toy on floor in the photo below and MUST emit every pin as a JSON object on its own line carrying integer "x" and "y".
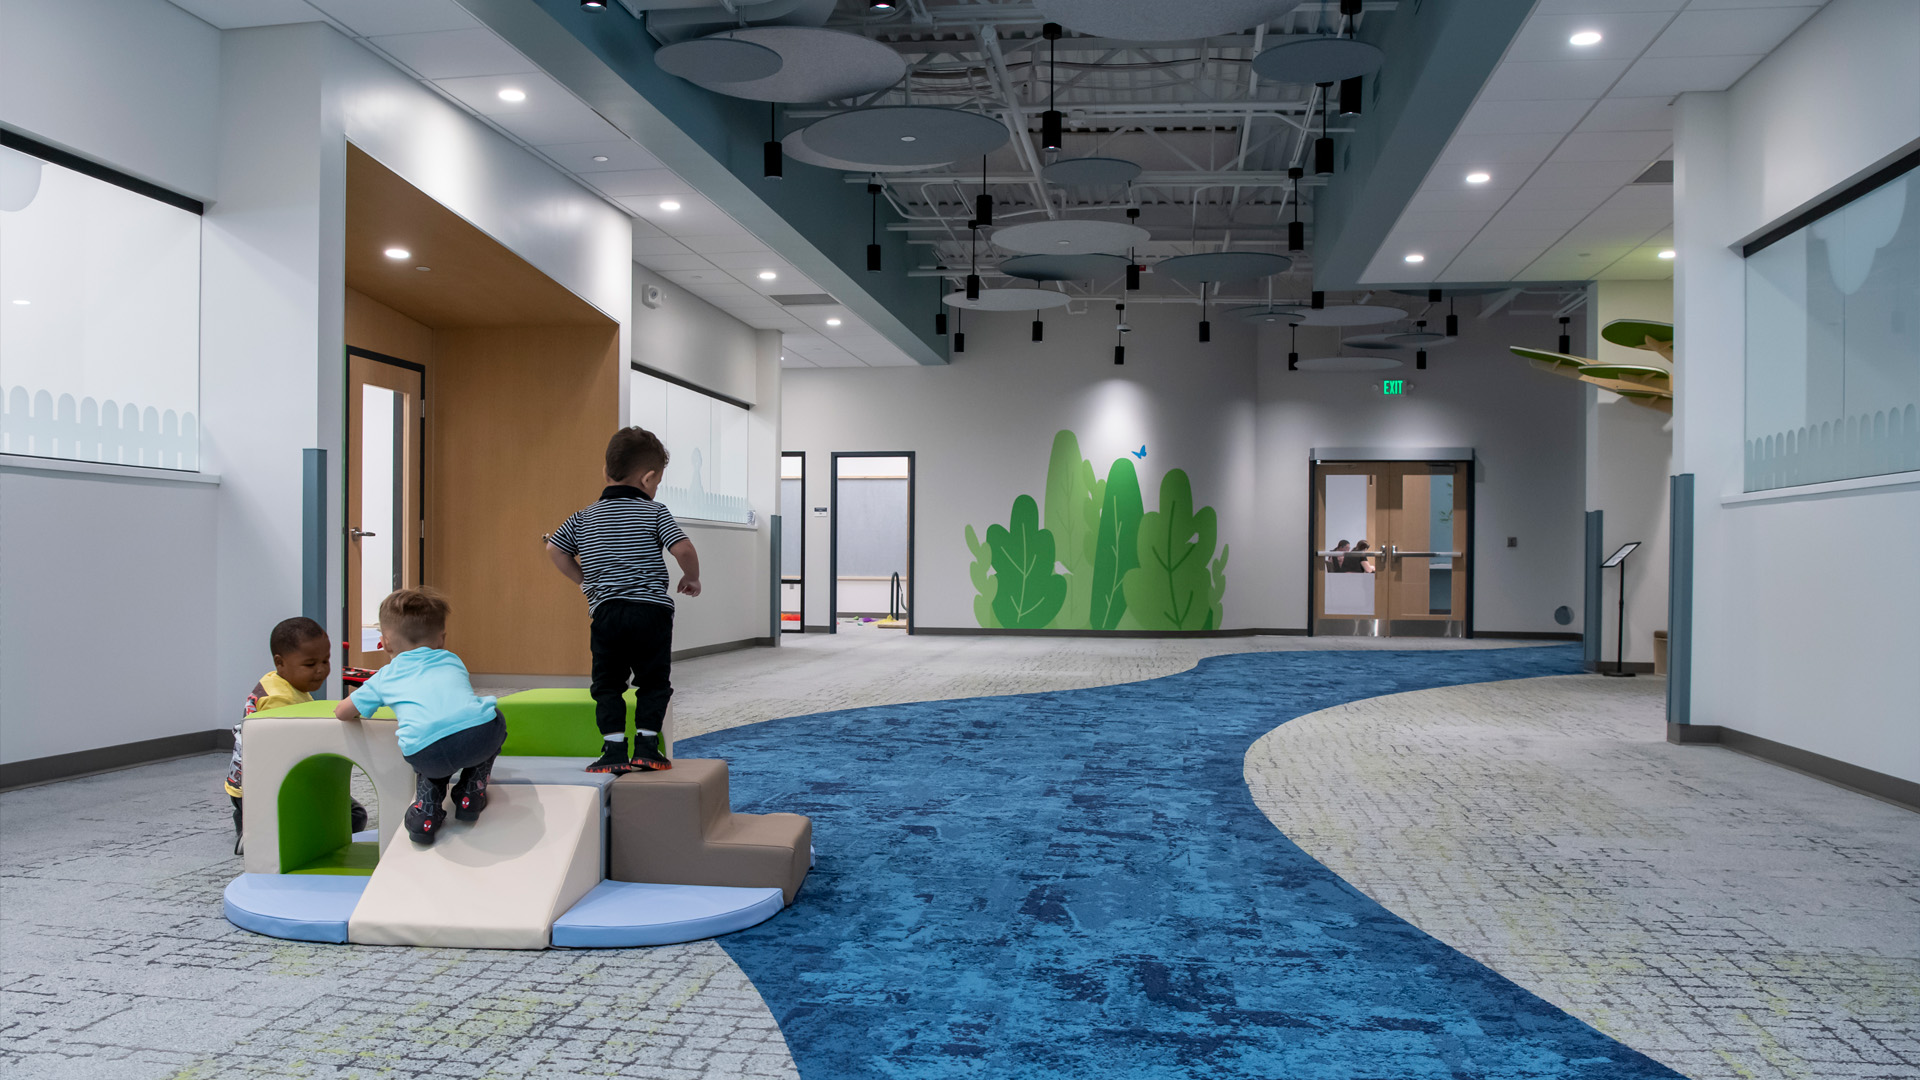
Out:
{"x": 536, "y": 875}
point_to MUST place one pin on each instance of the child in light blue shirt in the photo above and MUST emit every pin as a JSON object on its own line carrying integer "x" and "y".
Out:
{"x": 444, "y": 727}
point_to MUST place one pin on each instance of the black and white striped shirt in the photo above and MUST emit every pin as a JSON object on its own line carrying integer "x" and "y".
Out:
{"x": 620, "y": 542}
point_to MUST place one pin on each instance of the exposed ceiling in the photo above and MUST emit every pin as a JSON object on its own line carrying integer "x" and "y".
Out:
{"x": 1563, "y": 131}
{"x": 697, "y": 246}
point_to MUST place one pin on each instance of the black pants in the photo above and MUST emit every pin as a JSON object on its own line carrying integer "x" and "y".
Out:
{"x": 632, "y": 640}
{"x": 464, "y": 749}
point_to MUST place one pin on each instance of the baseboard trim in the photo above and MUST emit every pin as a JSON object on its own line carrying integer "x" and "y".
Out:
{"x": 724, "y": 646}
{"x": 1528, "y": 635}
{"x": 1637, "y": 667}
{"x": 45, "y": 770}
{"x": 1001, "y": 631}
{"x": 1889, "y": 789}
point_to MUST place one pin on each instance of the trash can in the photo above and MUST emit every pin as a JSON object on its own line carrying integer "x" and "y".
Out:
{"x": 1659, "y": 652}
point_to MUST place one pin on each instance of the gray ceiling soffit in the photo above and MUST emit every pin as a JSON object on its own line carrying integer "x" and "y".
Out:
{"x": 714, "y": 143}
{"x": 1438, "y": 57}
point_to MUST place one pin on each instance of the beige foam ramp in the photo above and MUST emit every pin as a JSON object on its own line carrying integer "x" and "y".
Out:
{"x": 495, "y": 883}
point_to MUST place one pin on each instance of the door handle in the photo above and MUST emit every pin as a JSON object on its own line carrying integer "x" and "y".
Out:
{"x": 1428, "y": 554}
{"x": 357, "y": 534}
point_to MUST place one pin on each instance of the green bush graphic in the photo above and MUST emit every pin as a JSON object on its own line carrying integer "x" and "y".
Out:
{"x": 1100, "y": 561}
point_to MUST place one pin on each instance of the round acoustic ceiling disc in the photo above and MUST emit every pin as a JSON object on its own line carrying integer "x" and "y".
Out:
{"x": 817, "y": 64}
{"x": 1278, "y": 314}
{"x": 1373, "y": 342}
{"x": 1063, "y": 267}
{"x": 1352, "y": 315}
{"x": 1070, "y": 236}
{"x": 1318, "y": 60}
{"x": 1349, "y": 363}
{"x": 1091, "y": 172}
{"x": 906, "y": 135}
{"x": 1418, "y": 338}
{"x": 1157, "y": 20}
{"x": 1008, "y": 300}
{"x": 721, "y": 58}
{"x": 794, "y": 145}
{"x": 1221, "y": 266}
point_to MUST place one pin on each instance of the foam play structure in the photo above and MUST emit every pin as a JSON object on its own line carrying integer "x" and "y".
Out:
{"x": 561, "y": 857}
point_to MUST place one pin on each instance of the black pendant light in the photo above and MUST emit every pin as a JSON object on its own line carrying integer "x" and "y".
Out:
{"x": 1350, "y": 96}
{"x": 1119, "y": 328}
{"x": 1566, "y": 339}
{"x": 1420, "y": 359}
{"x": 1039, "y": 328}
{"x": 771, "y": 158}
{"x": 1453, "y": 321}
{"x": 1296, "y": 232}
{"x": 983, "y": 202}
{"x": 940, "y": 323}
{"x": 1318, "y": 301}
{"x": 873, "y": 228}
{"x": 973, "y": 263}
{"x": 1206, "y": 328}
{"x": 1293, "y": 347}
{"x": 1050, "y": 120}
{"x": 1323, "y": 146}
{"x": 959, "y": 333}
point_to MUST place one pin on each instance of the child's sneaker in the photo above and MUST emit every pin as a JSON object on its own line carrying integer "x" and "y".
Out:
{"x": 470, "y": 794}
{"x": 647, "y": 756}
{"x": 425, "y": 816}
{"x": 613, "y": 759}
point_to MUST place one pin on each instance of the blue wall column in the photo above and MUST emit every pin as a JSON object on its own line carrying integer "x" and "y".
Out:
{"x": 313, "y": 535}
{"x": 1594, "y": 617}
{"x": 1680, "y": 601}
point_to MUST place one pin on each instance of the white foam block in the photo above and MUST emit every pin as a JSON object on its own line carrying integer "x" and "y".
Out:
{"x": 497, "y": 883}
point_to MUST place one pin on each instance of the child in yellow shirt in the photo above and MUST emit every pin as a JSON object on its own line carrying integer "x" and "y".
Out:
{"x": 302, "y": 660}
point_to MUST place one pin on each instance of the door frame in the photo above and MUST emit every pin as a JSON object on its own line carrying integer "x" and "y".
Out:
{"x": 801, "y": 525}
{"x": 349, "y": 461}
{"x": 1462, "y": 456}
{"x": 833, "y": 531}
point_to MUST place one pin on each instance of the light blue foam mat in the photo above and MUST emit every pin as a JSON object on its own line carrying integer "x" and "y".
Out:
{"x": 298, "y": 907}
{"x": 550, "y": 770}
{"x": 626, "y": 914}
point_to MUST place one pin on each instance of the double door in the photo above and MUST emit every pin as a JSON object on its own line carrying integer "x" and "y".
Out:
{"x": 385, "y": 421}
{"x": 1391, "y": 556}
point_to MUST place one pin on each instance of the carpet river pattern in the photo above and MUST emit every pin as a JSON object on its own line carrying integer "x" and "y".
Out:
{"x": 1079, "y": 884}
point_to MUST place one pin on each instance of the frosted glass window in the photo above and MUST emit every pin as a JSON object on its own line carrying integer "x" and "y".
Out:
{"x": 1833, "y": 344}
{"x": 706, "y": 439}
{"x": 99, "y": 320}
{"x": 1349, "y": 585}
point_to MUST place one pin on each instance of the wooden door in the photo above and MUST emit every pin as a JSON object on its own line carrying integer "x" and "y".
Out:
{"x": 1424, "y": 586}
{"x": 386, "y": 414}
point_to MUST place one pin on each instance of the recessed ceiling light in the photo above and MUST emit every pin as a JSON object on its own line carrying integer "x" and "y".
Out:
{"x": 768, "y": 275}
{"x": 511, "y": 94}
{"x": 669, "y": 205}
{"x": 397, "y": 253}
{"x": 599, "y": 157}
{"x": 1667, "y": 254}
{"x": 1478, "y": 177}
{"x": 833, "y": 322}
{"x": 423, "y": 269}
{"x": 23, "y": 303}
{"x": 908, "y": 138}
{"x": 1416, "y": 257}
{"x": 1585, "y": 38}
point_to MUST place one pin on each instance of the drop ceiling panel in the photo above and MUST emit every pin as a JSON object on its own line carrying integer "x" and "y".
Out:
{"x": 658, "y": 245}
{"x": 1669, "y": 75}
{"x": 1513, "y": 218}
{"x": 671, "y": 265}
{"x": 1623, "y": 36}
{"x": 622, "y": 154}
{"x": 454, "y": 54}
{"x": 1633, "y": 146}
{"x": 1587, "y": 7}
{"x": 1586, "y": 174}
{"x": 1457, "y": 198}
{"x": 1555, "y": 81}
{"x": 1630, "y": 114}
{"x": 640, "y": 182}
{"x": 1744, "y": 32}
{"x": 1490, "y": 150}
{"x": 1518, "y": 117}
{"x": 377, "y": 18}
{"x": 1582, "y": 199}
{"x": 237, "y": 14}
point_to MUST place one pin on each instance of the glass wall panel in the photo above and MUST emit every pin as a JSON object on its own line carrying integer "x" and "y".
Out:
{"x": 1833, "y": 345}
{"x": 706, "y": 439}
{"x": 99, "y": 320}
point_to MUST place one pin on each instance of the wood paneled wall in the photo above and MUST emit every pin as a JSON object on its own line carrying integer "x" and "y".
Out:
{"x": 518, "y": 421}
{"x": 375, "y": 327}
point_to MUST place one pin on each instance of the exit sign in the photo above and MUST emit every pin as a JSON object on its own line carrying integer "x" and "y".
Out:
{"x": 1393, "y": 387}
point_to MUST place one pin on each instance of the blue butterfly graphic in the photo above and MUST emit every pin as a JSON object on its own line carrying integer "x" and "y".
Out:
{"x": 1140, "y": 453}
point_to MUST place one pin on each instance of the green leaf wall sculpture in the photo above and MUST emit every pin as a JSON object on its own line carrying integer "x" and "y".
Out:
{"x": 1099, "y": 561}
{"x": 1031, "y": 590}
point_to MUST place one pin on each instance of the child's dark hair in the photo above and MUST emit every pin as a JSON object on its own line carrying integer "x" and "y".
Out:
{"x": 290, "y": 634}
{"x": 414, "y": 614}
{"x": 633, "y": 450}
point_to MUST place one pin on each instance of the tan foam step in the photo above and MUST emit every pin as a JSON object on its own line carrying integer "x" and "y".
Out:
{"x": 676, "y": 828}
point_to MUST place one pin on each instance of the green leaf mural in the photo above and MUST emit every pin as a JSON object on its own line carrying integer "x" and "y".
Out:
{"x": 1172, "y": 587}
{"x": 984, "y": 583}
{"x": 1116, "y": 547}
{"x": 1099, "y": 561}
{"x": 1030, "y": 590}
{"x": 1072, "y": 515}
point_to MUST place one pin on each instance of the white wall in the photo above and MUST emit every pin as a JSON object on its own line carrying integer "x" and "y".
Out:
{"x": 1230, "y": 415}
{"x": 1792, "y": 643}
{"x": 81, "y": 608}
{"x": 131, "y": 83}
{"x": 690, "y": 339}
{"x": 1629, "y": 458}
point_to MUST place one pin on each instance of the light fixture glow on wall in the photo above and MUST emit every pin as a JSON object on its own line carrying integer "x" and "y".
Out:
{"x": 1478, "y": 177}
{"x": 511, "y": 94}
{"x": 1585, "y": 38}
{"x": 768, "y": 275}
{"x": 669, "y": 205}
{"x": 1415, "y": 257}
{"x": 397, "y": 253}
{"x": 1668, "y": 254}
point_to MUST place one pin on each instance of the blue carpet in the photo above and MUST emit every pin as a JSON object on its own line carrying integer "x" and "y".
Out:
{"x": 1072, "y": 885}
